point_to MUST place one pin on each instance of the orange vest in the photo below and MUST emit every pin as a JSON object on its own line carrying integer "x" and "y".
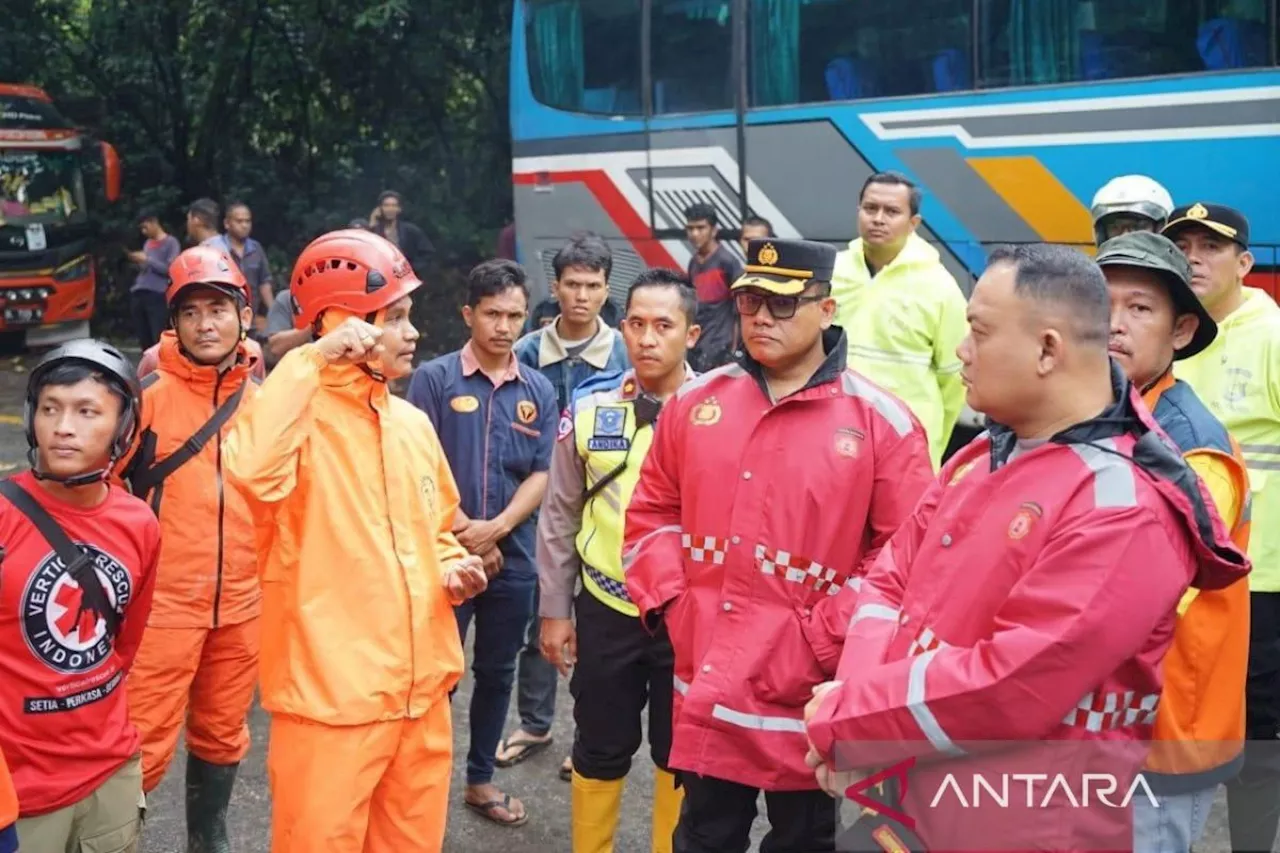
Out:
{"x": 1200, "y": 724}
{"x": 8, "y": 796}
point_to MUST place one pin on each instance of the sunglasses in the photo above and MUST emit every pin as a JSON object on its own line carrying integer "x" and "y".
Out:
{"x": 780, "y": 307}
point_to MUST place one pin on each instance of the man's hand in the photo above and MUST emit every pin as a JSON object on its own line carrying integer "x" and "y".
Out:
{"x": 479, "y": 536}
{"x": 138, "y": 257}
{"x": 465, "y": 579}
{"x": 559, "y": 643}
{"x": 353, "y": 342}
{"x": 493, "y": 561}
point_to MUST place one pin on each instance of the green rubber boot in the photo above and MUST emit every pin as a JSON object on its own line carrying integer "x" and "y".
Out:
{"x": 208, "y": 795}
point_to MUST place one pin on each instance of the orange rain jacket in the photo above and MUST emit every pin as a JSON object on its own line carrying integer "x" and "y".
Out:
{"x": 8, "y": 801}
{"x": 208, "y": 573}
{"x": 353, "y": 502}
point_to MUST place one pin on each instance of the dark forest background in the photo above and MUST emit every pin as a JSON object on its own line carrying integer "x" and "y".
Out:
{"x": 305, "y": 109}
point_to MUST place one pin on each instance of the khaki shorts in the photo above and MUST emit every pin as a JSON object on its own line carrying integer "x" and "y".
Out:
{"x": 107, "y": 821}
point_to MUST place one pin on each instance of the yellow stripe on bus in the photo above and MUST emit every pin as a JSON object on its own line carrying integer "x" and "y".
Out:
{"x": 12, "y": 420}
{"x": 1039, "y": 198}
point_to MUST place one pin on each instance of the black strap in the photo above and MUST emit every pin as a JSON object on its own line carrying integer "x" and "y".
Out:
{"x": 78, "y": 561}
{"x": 148, "y": 476}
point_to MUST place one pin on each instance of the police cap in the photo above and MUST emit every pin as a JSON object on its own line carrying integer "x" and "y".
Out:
{"x": 786, "y": 267}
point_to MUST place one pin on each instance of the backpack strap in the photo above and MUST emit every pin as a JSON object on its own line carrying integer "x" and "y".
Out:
{"x": 77, "y": 560}
{"x": 149, "y": 475}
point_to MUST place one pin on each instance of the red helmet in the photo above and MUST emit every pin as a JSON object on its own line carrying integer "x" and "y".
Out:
{"x": 208, "y": 267}
{"x": 356, "y": 271}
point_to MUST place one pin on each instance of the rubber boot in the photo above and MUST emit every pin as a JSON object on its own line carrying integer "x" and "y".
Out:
{"x": 596, "y": 803}
{"x": 667, "y": 799}
{"x": 208, "y": 795}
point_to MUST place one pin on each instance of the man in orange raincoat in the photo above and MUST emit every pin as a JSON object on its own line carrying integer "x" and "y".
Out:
{"x": 198, "y": 661}
{"x": 354, "y": 502}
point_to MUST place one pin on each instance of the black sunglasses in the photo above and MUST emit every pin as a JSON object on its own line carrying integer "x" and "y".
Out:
{"x": 780, "y": 307}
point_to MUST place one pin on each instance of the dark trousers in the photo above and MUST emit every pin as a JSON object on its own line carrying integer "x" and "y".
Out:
{"x": 716, "y": 818}
{"x": 501, "y": 613}
{"x": 538, "y": 681}
{"x": 1253, "y": 797}
{"x": 620, "y": 669}
{"x": 150, "y": 316}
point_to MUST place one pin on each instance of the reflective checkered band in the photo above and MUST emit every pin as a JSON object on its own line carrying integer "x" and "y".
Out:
{"x": 926, "y": 641}
{"x": 799, "y": 570}
{"x": 1099, "y": 711}
{"x": 705, "y": 549}
{"x": 607, "y": 584}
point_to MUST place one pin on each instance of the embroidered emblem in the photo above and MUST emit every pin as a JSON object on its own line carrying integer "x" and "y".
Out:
{"x": 464, "y": 404}
{"x": 1024, "y": 519}
{"x": 768, "y": 255}
{"x": 611, "y": 421}
{"x": 706, "y": 413}
{"x": 526, "y": 411}
{"x": 566, "y": 426}
{"x": 847, "y": 441}
{"x": 1197, "y": 211}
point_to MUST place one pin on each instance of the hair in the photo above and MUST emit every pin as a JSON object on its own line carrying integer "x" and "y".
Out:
{"x": 491, "y": 278}
{"x": 702, "y": 211}
{"x": 205, "y": 210}
{"x": 1065, "y": 276}
{"x": 361, "y": 224}
{"x": 897, "y": 179}
{"x": 587, "y": 251}
{"x": 660, "y": 277}
{"x": 759, "y": 221}
{"x": 386, "y": 194}
{"x": 148, "y": 214}
{"x": 232, "y": 205}
{"x": 74, "y": 372}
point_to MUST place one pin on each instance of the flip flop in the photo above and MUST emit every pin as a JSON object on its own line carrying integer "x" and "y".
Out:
{"x": 527, "y": 749}
{"x": 566, "y": 769}
{"x": 485, "y": 810}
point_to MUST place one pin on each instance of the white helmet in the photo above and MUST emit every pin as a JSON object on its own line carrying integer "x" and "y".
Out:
{"x": 1136, "y": 195}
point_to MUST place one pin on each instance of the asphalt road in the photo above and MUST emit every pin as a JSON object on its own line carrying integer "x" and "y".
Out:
{"x": 535, "y": 782}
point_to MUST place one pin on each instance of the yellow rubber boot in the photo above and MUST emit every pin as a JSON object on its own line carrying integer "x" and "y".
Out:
{"x": 596, "y": 804}
{"x": 666, "y": 809}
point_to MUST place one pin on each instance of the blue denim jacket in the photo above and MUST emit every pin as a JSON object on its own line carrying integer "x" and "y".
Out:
{"x": 544, "y": 351}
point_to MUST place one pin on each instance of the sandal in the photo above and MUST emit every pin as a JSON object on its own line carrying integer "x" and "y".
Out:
{"x": 566, "y": 769}
{"x": 526, "y": 746}
{"x": 485, "y": 810}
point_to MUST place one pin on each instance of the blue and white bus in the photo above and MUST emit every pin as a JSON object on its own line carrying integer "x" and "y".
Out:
{"x": 1010, "y": 114}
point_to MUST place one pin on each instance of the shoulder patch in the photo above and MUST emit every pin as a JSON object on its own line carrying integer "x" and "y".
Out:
{"x": 150, "y": 379}
{"x": 566, "y": 425}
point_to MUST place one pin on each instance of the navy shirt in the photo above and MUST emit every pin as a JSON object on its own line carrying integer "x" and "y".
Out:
{"x": 495, "y": 437}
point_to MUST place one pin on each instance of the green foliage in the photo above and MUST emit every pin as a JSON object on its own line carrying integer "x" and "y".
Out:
{"x": 306, "y": 109}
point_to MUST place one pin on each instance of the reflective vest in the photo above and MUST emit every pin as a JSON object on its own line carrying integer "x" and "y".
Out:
{"x": 1199, "y": 731}
{"x": 1238, "y": 379}
{"x": 606, "y": 435}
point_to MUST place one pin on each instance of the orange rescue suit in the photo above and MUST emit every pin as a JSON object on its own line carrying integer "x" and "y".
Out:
{"x": 8, "y": 800}
{"x": 353, "y": 501}
{"x": 198, "y": 660}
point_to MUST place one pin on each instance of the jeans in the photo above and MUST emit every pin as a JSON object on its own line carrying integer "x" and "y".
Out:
{"x": 1173, "y": 827}
{"x": 536, "y": 699}
{"x": 501, "y": 613}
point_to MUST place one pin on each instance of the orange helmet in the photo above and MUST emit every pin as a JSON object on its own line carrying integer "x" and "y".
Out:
{"x": 356, "y": 271}
{"x": 208, "y": 267}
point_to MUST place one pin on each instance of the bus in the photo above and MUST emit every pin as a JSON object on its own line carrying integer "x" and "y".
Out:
{"x": 47, "y": 221}
{"x": 1010, "y": 114}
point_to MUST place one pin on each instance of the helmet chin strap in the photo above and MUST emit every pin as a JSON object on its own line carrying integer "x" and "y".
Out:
{"x": 377, "y": 376}
{"x": 86, "y": 479}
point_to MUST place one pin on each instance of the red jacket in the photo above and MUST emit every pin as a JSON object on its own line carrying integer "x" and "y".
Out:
{"x": 755, "y": 523}
{"x": 1033, "y": 602}
{"x": 64, "y": 722}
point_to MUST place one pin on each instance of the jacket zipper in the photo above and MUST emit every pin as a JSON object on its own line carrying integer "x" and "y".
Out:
{"x": 217, "y": 590}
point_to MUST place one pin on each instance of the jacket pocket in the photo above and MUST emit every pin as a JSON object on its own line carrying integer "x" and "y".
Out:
{"x": 786, "y": 670}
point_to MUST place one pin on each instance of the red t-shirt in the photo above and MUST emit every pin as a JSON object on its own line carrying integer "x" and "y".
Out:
{"x": 64, "y": 722}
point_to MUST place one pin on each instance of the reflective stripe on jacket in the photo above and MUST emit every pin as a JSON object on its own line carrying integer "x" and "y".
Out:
{"x": 1200, "y": 725}
{"x": 903, "y": 328}
{"x": 208, "y": 573}
{"x": 749, "y": 531}
{"x": 353, "y": 502}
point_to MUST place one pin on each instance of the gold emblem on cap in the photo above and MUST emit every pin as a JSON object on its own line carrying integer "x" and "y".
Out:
{"x": 768, "y": 255}
{"x": 1197, "y": 211}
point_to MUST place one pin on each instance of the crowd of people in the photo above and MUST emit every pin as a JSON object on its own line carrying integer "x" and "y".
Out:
{"x": 731, "y": 511}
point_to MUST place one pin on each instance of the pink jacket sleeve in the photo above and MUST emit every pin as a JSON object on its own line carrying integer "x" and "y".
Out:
{"x": 1076, "y": 615}
{"x": 653, "y": 550}
{"x": 903, "y": 474}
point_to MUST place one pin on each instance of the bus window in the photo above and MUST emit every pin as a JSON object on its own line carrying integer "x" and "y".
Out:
{"x": 692, "y": 51}
{"x": 803, "y": 51}
{"x": 584, "y": 55}
{"x": 1032, "y": 42}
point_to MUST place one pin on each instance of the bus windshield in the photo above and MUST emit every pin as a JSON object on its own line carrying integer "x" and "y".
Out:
{"x": 45, "y": 187}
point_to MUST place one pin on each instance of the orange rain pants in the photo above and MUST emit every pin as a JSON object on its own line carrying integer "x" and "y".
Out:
{"x": 203, "y": 677}
{"x": 373, "y": 788}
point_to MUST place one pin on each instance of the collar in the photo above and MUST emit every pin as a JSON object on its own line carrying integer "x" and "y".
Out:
{"x": 552, "y": 350}
{"x": 350, "y": 383}
{"x": 1153, "y": 392}
{"x": 834, "y": 344}
{"x": 471, "y": 365}
{"x": 631, "y": 386}
{"x": 172, "y": 360}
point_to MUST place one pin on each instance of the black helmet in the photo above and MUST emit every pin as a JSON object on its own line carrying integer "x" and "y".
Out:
{"x": 118, "y": 371}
